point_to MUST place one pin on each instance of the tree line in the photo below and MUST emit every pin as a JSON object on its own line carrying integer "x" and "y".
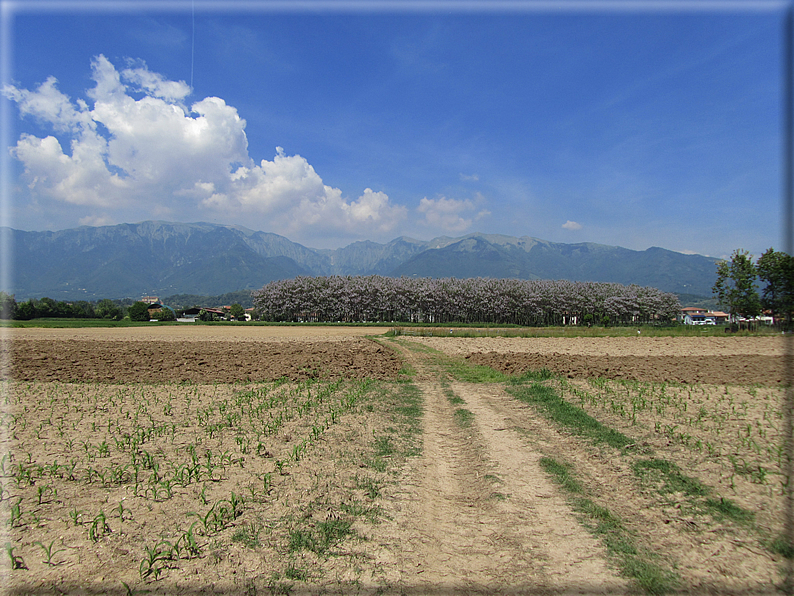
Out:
{"x": 37, "y": 308}
{"x": 737, "y": 291}
{"x": 473, "y": 300}
{"x": 114, "y": 310}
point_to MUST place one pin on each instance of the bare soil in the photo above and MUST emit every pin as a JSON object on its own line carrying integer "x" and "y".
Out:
{"x": 198, "y": 354}
{"x": 729, "y": 360}
{"x": 453, "y": 509}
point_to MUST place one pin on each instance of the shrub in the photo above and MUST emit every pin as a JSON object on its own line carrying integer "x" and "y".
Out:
{"x": 139, "y": 311}
{"x": 164, "y": 314}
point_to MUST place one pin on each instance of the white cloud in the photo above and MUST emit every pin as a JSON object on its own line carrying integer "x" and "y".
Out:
{"x": 49, "y": 105}
{"x": 96, "y": 220}
{"x": 469, "y": 178}
{"x": 446, "y": 214}
{"x": 572, "y": 225}
{"x": 155, "y": 85}
{"x": 161, "y": 157}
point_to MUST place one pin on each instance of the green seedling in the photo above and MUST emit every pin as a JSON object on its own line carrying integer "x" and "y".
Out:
{"x": 15, "y": 514}
{"x": 46, "y": 494}
{"x": 75, "y": 515}
{"x": 122, "y": 510}
{"x": 99, "y": 527}
{"x": 49, "y": 552}
{"x": 155, "y": 560}
{"x": 189, "y": 543}
{"x": 17, "y": 562}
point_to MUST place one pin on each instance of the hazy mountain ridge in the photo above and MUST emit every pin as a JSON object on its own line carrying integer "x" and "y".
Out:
{"x": 164, "y": 258}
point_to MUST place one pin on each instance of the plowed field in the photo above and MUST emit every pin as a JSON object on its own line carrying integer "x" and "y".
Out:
{"x": 276, "y": 460}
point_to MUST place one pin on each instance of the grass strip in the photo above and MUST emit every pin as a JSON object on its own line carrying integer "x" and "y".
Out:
{"x": 463, "y": 417}
{"x": 635, "y": 563}
{"x": 674, "y": 481}
{"x": 570, "y": 417}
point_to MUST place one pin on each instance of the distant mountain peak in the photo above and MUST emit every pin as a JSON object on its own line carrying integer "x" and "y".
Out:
{"x": 160, "y": 257}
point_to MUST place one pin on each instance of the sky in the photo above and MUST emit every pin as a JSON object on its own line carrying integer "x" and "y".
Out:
{"x": 623, "y": 123}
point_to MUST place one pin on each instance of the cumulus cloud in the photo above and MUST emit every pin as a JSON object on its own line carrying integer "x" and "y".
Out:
{"x": 572, "y": 225}
{"x": 139, "y": 145}
{"x": 446, "y": 214}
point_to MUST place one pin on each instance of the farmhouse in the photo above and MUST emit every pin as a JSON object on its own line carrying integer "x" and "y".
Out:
{"x": 700, "y": 316}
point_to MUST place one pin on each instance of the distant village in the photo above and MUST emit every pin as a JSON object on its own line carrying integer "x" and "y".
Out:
{"x": 691, "y": 315}
{"x": 190, "y": 315}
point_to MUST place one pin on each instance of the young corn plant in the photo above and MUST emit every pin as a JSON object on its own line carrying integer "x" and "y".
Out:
{"x": 49, "y": 552}
{"x": 156, "y": 559}
{"x": 99, "y": 527}
{"x": 17, "y": 562}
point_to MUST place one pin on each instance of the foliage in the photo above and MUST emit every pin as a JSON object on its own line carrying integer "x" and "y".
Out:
{"x": 80, "y": 309}
{"x": 139, "y": 311}
{"x": 735, "y": 287}
{"x": 237, "y": 311}
{"x": 206, "y": 315}
{"x": 164, "y": 314}
{"x": 107, "y": 309}
{"x": 8, "y": 306}
{"x": 492, "y": 301}
{"x": 776, "y": 270}
{"x": 242, "y": 297}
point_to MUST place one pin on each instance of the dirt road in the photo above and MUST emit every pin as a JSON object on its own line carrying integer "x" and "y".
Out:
{"x": 479, "y": 516}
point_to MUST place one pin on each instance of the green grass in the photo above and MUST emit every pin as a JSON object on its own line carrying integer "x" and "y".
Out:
{"x": 55, "y": 323}
{"x": 408, "y": 406}
{"x": 784, "y": 546}
{"x": 248, "y": 535}
{"x": 562, "y": 475}
{"x": 635, "y": 563}
{"x": 463, "y": 417}
{"x": 321, "y": 538}
{"x": 674, "y": 481}
{"x": 473, "y": 373}
{"x": 723, "y": 507}
{"x": 570, "y": 417}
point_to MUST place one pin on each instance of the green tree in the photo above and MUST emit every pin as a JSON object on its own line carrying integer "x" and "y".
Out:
{"x": 735, "y": 287}
{"x": 776, "y": 270}
{"x": 107, "y": 309}
{"x": 25, "y": 311}
{"x": 205, "y": 315}
{"x": 8, "y": 306}
{"x": 237, "y": 311}
{"x": 139, "y": 311}
{"x": 164, "y": 314}
{"x": 81, "y": 309}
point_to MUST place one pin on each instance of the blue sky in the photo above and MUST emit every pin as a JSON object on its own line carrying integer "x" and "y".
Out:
{"x": 342, "y": 122}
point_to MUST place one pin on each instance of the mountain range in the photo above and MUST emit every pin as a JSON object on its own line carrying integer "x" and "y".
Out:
{"x": 164, "y": 258}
